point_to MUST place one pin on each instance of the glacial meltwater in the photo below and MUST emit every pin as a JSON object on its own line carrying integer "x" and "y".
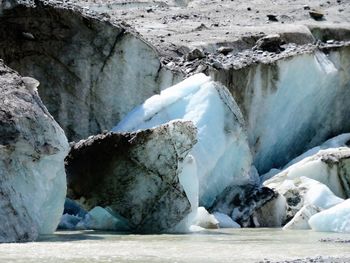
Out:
{"x": 224, "y": 245}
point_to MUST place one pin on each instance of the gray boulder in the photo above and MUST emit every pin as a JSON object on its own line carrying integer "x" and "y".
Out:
{"x": 134, "y": 175}
{"x": 32, "y": 152}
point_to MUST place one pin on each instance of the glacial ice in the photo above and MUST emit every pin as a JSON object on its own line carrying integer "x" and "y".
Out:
{"x": 222, "y": 154}
{"x": 315, "y": 183}
{"x": 334, "y": 219}
{"x": 294, "y": 105}
{"x": 205, "y": 220}
{"x": 99, "y": 218}
{"x": 69, "y": 222}
{"x": 301, "y": 218}
{"x": 225, "y": 221}
{"x": 335, "y": 142}
{"x": 329, "y": 167}
{"x": 32, "y": 152}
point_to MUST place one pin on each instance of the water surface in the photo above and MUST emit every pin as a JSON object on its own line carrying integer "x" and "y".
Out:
{"x": 224, "y": 245}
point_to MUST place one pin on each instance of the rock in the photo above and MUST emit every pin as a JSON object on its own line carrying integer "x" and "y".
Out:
{"x": 241, "y": 203}
{"x": 272, "y": 18}
{"x": 335, "y": 219}
{"x": 272, "y": 213}
{"x": 224, "y": 50}
{"x": 136, "y": 175}
{"x": 271, "y": 43}
{"x": 195, "y": 54}
{"x": 32, "y": 152}
{"x": 316, "y": 14}
{"x": 301, "y": 218}
{"x": 306, "y": 7}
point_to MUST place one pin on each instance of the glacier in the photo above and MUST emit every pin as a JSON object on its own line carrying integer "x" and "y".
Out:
{"x": 222, "y": 153}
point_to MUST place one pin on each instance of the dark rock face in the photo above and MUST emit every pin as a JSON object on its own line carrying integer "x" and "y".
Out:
{"x": 243, "y": 202}
{"x": 92, "y": 71}
{"x": 134, "y": 174}
{"x": 32, "y": 150}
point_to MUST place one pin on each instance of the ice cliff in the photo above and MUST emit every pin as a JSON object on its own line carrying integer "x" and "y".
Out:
{"x": 32, "y": 152}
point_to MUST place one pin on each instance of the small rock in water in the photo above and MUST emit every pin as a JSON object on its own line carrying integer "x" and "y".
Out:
{"x": 306, "y": 7}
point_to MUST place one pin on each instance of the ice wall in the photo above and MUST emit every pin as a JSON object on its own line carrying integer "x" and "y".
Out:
{"x": 292, "y": 104}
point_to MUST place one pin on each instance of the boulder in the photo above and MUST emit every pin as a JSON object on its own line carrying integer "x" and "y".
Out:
{"x": 271, "y": 43}
{"x": 136, "y": 176}
{"x": 32, "y": 152}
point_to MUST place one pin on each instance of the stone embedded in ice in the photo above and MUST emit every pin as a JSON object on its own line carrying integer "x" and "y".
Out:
{"x": 99, "y": 218}
{"x": 225, "y": 221}
{"x": 222, "y": 153}
{"x": 301, "y": 218}
{"x": 205, "y": 220}
{"x": 334, "y": 219}
{"x": 137, "y": 175}
{"x": 32, "y": 152}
